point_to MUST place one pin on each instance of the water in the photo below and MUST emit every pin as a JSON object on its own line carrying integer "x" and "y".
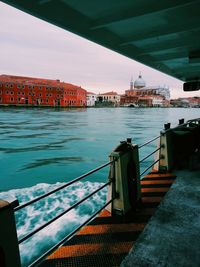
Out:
{"x": 40, "y": 149}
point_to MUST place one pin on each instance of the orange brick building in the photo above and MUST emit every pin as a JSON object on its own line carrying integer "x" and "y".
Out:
{"x": 28, "y": 91}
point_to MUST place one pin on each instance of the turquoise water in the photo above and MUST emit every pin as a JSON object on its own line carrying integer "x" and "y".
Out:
{"x": 46, "y": 145}
{"x": 40, "y": 149}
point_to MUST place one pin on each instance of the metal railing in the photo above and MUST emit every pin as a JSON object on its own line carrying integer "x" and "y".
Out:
{"x": 167, "y": 130}
{"x": 149, "y": 167}
{"x": 36, "y": 262}
{"x": 148, "y": 142}
{"x": 61, "y": 214}
{"x": 149, "y": 155}
{"x": 63, "y": 186}
{"x": 111, "y": 179}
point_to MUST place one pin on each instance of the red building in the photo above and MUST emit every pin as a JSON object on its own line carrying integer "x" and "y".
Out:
{"x": 17, "y": 90}
{"x": 128, "y": 99}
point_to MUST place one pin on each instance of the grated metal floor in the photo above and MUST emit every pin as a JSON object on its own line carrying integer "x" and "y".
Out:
{"x": 107, "y": 240}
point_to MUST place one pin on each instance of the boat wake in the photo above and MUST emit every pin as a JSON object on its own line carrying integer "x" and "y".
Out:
{"x": 35, "y": 215}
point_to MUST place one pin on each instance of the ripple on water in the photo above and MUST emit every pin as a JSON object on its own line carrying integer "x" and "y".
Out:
{"x": 49, "y": 161}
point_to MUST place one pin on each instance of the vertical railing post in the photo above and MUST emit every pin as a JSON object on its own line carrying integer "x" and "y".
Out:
{"x": 111, "y": 177}
{"x": 166, "y": 149}
{"x": 9, "y": 249}
{"x": 126, "y": 185}
{"x": 181, "y": 121}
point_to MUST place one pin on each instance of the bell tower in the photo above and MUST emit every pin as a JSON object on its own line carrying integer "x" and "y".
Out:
{"x": 131, "y": 83}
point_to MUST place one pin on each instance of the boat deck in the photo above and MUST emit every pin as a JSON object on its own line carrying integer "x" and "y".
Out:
{"x": 107, "y": 240}
{"x": 171, "y": 238}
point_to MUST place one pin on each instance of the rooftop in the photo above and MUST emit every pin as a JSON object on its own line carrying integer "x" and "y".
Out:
{"x": 110, "y": 93}
{"x": 37, "y": 81}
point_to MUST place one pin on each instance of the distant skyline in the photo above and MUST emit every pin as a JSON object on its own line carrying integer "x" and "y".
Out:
{"x": 35, "y": 48}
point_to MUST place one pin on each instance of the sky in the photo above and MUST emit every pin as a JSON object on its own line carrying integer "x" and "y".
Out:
{"x": 32, "y": 47}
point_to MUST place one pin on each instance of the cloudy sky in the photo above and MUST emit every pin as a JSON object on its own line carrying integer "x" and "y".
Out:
{"x": 32, "y": 47}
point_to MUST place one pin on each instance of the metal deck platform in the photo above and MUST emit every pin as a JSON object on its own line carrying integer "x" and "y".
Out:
{"x": 171, "y": 238}
{"x": 107, "y": 240}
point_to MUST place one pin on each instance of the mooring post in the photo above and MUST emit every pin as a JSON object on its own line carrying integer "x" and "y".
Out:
{"x": 9, "y": 249}
{"x": 126, "y": 186}
{"x": 166, "y": 149}
{"x": 181, "y": 121}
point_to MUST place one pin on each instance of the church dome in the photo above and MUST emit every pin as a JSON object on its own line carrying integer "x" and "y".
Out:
{"x": 139, "y": 83}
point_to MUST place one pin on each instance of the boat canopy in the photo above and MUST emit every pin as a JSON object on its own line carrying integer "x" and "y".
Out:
{"x": 164, "y": 35}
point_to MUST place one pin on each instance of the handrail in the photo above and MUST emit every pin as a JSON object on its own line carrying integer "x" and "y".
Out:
{"x": 150, "y": 167}
{"x": 148, "y": 142}
{"x": 150, "y": 154}
{"x": 36, "y": 262}
{"x": 146, "y": 157}
{"x": 187, "y": 123}
{"x": 63, "y": 186}
{"x": 61, "y": 214}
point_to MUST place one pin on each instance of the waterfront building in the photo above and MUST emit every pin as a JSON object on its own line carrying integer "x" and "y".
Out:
{"x": 91, "y": 99}
{"x": 187, "y": 102}
{"x": 109, "y": 97}
{"x": 128, "y": 100}
{"x": 147, "y": 95}
{"x": 158, "y": 101}
{"x": 28, "y": 91}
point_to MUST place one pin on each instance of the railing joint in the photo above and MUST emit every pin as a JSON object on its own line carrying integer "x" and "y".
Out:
{"x": 117, "y": 195}
{"x": 115, "y": 156}
{"x": 111, "y": 179}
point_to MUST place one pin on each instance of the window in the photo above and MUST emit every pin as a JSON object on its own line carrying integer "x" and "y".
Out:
{"x": 11, "y": 92}
{"x": 11, "y": 99}
{"x": 0, "y": 99}
{"x": 18, "y": 93}
{"x": 23, "y": 86}
{"x": 0, "y": 92}
{"x": 18, "y": 86}
{"x": 7, "y": 92}
{"x": 7, "y": 86}
{"x": 19, "y": 99}
{"x": 11, "y": 86}
{"x": 40, "y": 94}
{"x": 47, "y": 100}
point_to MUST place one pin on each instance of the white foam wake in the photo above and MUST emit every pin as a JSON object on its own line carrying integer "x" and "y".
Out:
{"x": 42, "y": 211}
